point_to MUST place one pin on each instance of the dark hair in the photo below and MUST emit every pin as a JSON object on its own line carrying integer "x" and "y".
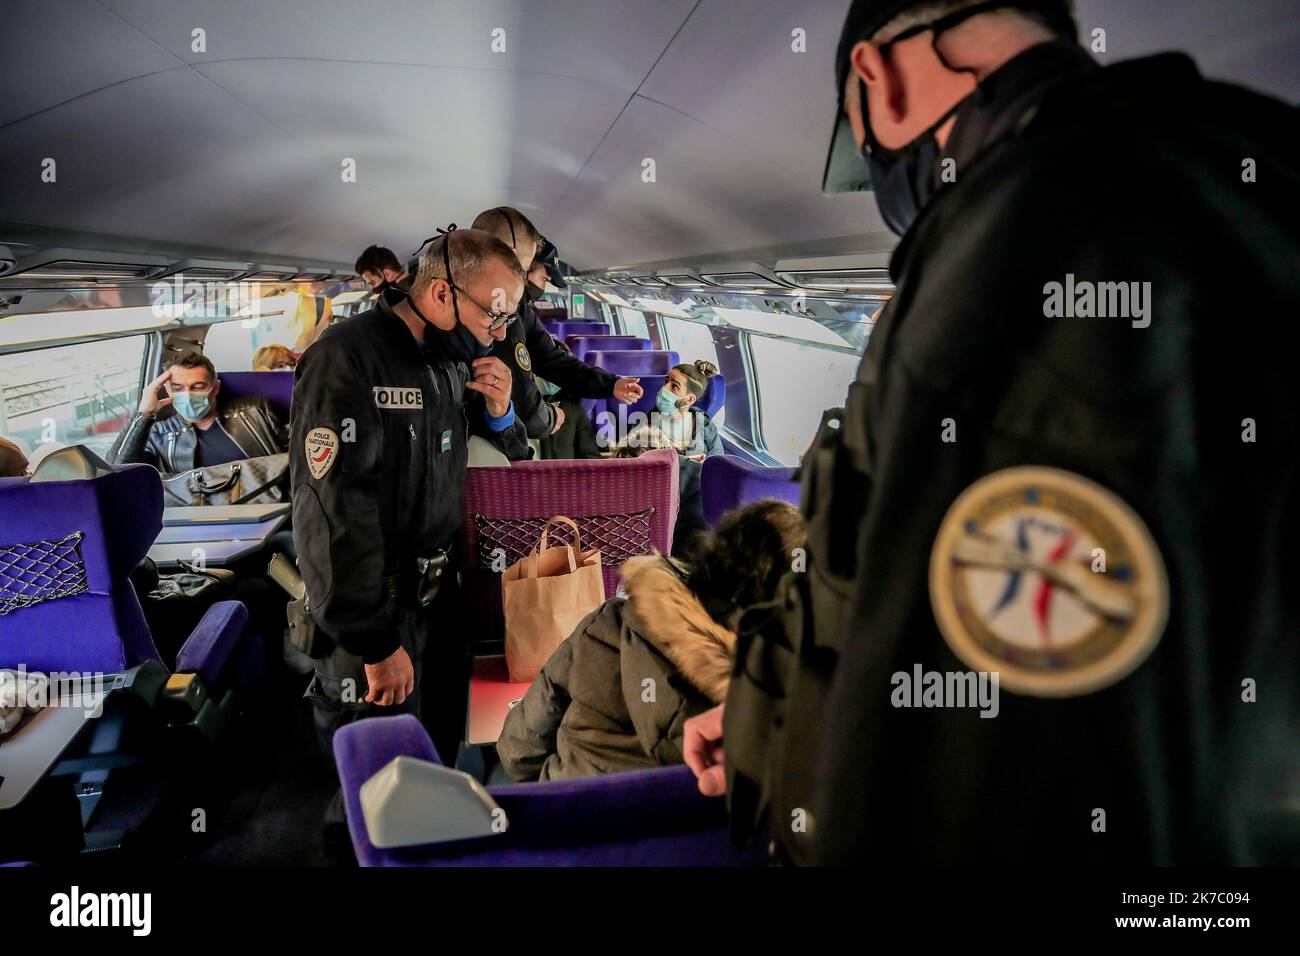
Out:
{"x": 742, "y": 560}
{"x": 376, "y": 259}
{"x": 509, "y": 225}
{"x": 195, "y": 360}
{"x": 697, "y": 375}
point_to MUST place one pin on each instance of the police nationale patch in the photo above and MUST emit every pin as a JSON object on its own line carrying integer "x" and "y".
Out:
{"x": 322, "y": 450}
{"x": 398, "y": 398}
{"x": 522, "y": 357}
{"x": 1050, "y": 580}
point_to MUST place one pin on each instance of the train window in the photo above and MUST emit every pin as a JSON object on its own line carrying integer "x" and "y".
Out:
{"x": 292, "y": 320}
{"x": 81, "y": 394}
{"x": 634, "y": 323}
{"x": 820, "y": 377}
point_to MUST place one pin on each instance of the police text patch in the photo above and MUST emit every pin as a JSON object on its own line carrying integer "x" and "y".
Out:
{"x": 322, "y": 449}
{"x": 395, "y": 397}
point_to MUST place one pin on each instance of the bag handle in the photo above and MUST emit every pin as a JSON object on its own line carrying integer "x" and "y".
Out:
{"x": 196, "y": 478}
{"x": 570, "y": 548}
{"x": 561, "y": 519}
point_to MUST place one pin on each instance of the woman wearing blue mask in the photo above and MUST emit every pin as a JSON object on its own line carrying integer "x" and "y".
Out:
{"x": 688, "y": 427}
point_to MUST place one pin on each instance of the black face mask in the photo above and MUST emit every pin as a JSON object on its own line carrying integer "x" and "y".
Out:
{"x": 532, "y": 291}
{"x": 905, "y": 179}
{"x": 458, "y": 343}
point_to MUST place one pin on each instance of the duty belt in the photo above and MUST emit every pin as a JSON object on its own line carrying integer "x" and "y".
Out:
{"x": 419, "y": 578}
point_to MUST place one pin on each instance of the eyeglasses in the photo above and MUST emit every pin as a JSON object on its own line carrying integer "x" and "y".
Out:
{"x": 498, "y": 320}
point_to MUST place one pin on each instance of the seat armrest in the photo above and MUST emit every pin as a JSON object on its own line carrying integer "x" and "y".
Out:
{"x": 362, "y": 749}
{"x": 208, "y": 648}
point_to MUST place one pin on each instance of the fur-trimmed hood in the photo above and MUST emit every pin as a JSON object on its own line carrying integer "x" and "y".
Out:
{"x": 662, "y": 609}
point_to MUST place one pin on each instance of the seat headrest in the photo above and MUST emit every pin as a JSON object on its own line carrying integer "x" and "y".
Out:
{"x": 71, "y": 464}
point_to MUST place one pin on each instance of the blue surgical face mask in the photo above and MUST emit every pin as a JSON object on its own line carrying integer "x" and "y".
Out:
{"x": 547, "y": 388}
{"x": 666, "y": 402}
{"x": 192, "y": 406}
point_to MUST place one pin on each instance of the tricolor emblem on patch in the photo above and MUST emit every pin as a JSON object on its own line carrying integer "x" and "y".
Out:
{"x": 522, "y": 357}
{"x": 322, "y": 448}
{"x": 1050, "y": 580}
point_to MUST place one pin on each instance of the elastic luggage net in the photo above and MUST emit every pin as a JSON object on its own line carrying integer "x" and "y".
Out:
{"x": 40, "y": 571}
{"x": 617, "y": 536}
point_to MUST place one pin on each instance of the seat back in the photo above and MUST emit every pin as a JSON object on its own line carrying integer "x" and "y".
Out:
{"x": 67, "y": 549}
{"x": 276, "y": 386}
{"x": 624, "y": 507}
{"x": 580, "y": 345}
{"x": 643, "y": 818}
{"x": 727, "y": 482}
{"x": 715, "y": 395}
{"x": 633, "y": 361}
{"x": 565, "y": 327}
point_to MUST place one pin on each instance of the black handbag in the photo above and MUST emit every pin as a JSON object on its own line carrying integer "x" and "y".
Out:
{"x": 252, "y": 481}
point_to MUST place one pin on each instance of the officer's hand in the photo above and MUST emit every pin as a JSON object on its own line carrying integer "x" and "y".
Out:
{"x": 392, "y": 680}
{"x": 627, "y": 391}
{"x": 702, "y": 748}
{"x": 559, "y": 419}
{"x": 492, "y": 378}
{"x": 150, "y": 403}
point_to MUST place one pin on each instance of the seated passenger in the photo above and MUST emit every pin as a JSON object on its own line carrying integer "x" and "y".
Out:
{"x": 614, "y": 696}
{"x": 13, "y": 461}
{"x": 205, "y": 429}
{"x": 274, "y": 358}
{"x": 689, "y": 429}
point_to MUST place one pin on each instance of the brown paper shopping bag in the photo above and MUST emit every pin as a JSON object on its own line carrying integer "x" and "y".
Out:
{"x": 545, "y": 594}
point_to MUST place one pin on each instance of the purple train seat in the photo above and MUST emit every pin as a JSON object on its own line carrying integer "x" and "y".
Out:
{"x": 277, "y": 386}
{"x": 643, "y": 818}
{"x": 633, "y": 361}
{"x": 580, "y": 345}
{"x": 727, "y": 482}
{"x": 715, "y": 395}
{"x": 566, "y": 327}
{"x": 624, "y": 507}
{"x": 67, "y": 606}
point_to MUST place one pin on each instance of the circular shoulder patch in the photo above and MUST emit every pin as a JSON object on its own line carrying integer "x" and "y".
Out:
{"x": 322, "y": 449}
{"x": 522, "y": 357}
{"x": 1048, "y": 579}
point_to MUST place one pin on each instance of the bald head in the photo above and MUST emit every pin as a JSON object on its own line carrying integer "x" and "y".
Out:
{"x": 513, "y": 228}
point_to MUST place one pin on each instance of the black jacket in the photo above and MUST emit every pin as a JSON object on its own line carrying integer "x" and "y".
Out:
{"x": 385, "y": 425}
{"x": 250, "y": 421}
{"x": 529, "y": 349}
{"x": 1132, "y": 173}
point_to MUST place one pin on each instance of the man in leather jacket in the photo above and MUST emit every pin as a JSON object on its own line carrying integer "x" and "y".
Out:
{"x": 205, "y": 430}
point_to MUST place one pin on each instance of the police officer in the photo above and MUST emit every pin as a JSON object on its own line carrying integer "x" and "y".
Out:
{"x": 383, "y": 406}
{"x": 1046, "y": 586}
{"x": 529, "y": 349}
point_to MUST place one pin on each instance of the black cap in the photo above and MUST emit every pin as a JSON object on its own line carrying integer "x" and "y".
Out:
{"x": 549, "y": 256}
{"x": 845, "y": 170}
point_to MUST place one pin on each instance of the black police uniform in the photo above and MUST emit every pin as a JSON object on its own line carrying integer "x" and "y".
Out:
{"x": 1065, "y": 171}
{"x": 377, "y": 458}
{"x": 529, "y": 349}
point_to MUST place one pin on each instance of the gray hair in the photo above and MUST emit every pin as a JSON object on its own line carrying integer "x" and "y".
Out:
{"x": 468, "y": 254}
{"x": 927, "y": 11}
